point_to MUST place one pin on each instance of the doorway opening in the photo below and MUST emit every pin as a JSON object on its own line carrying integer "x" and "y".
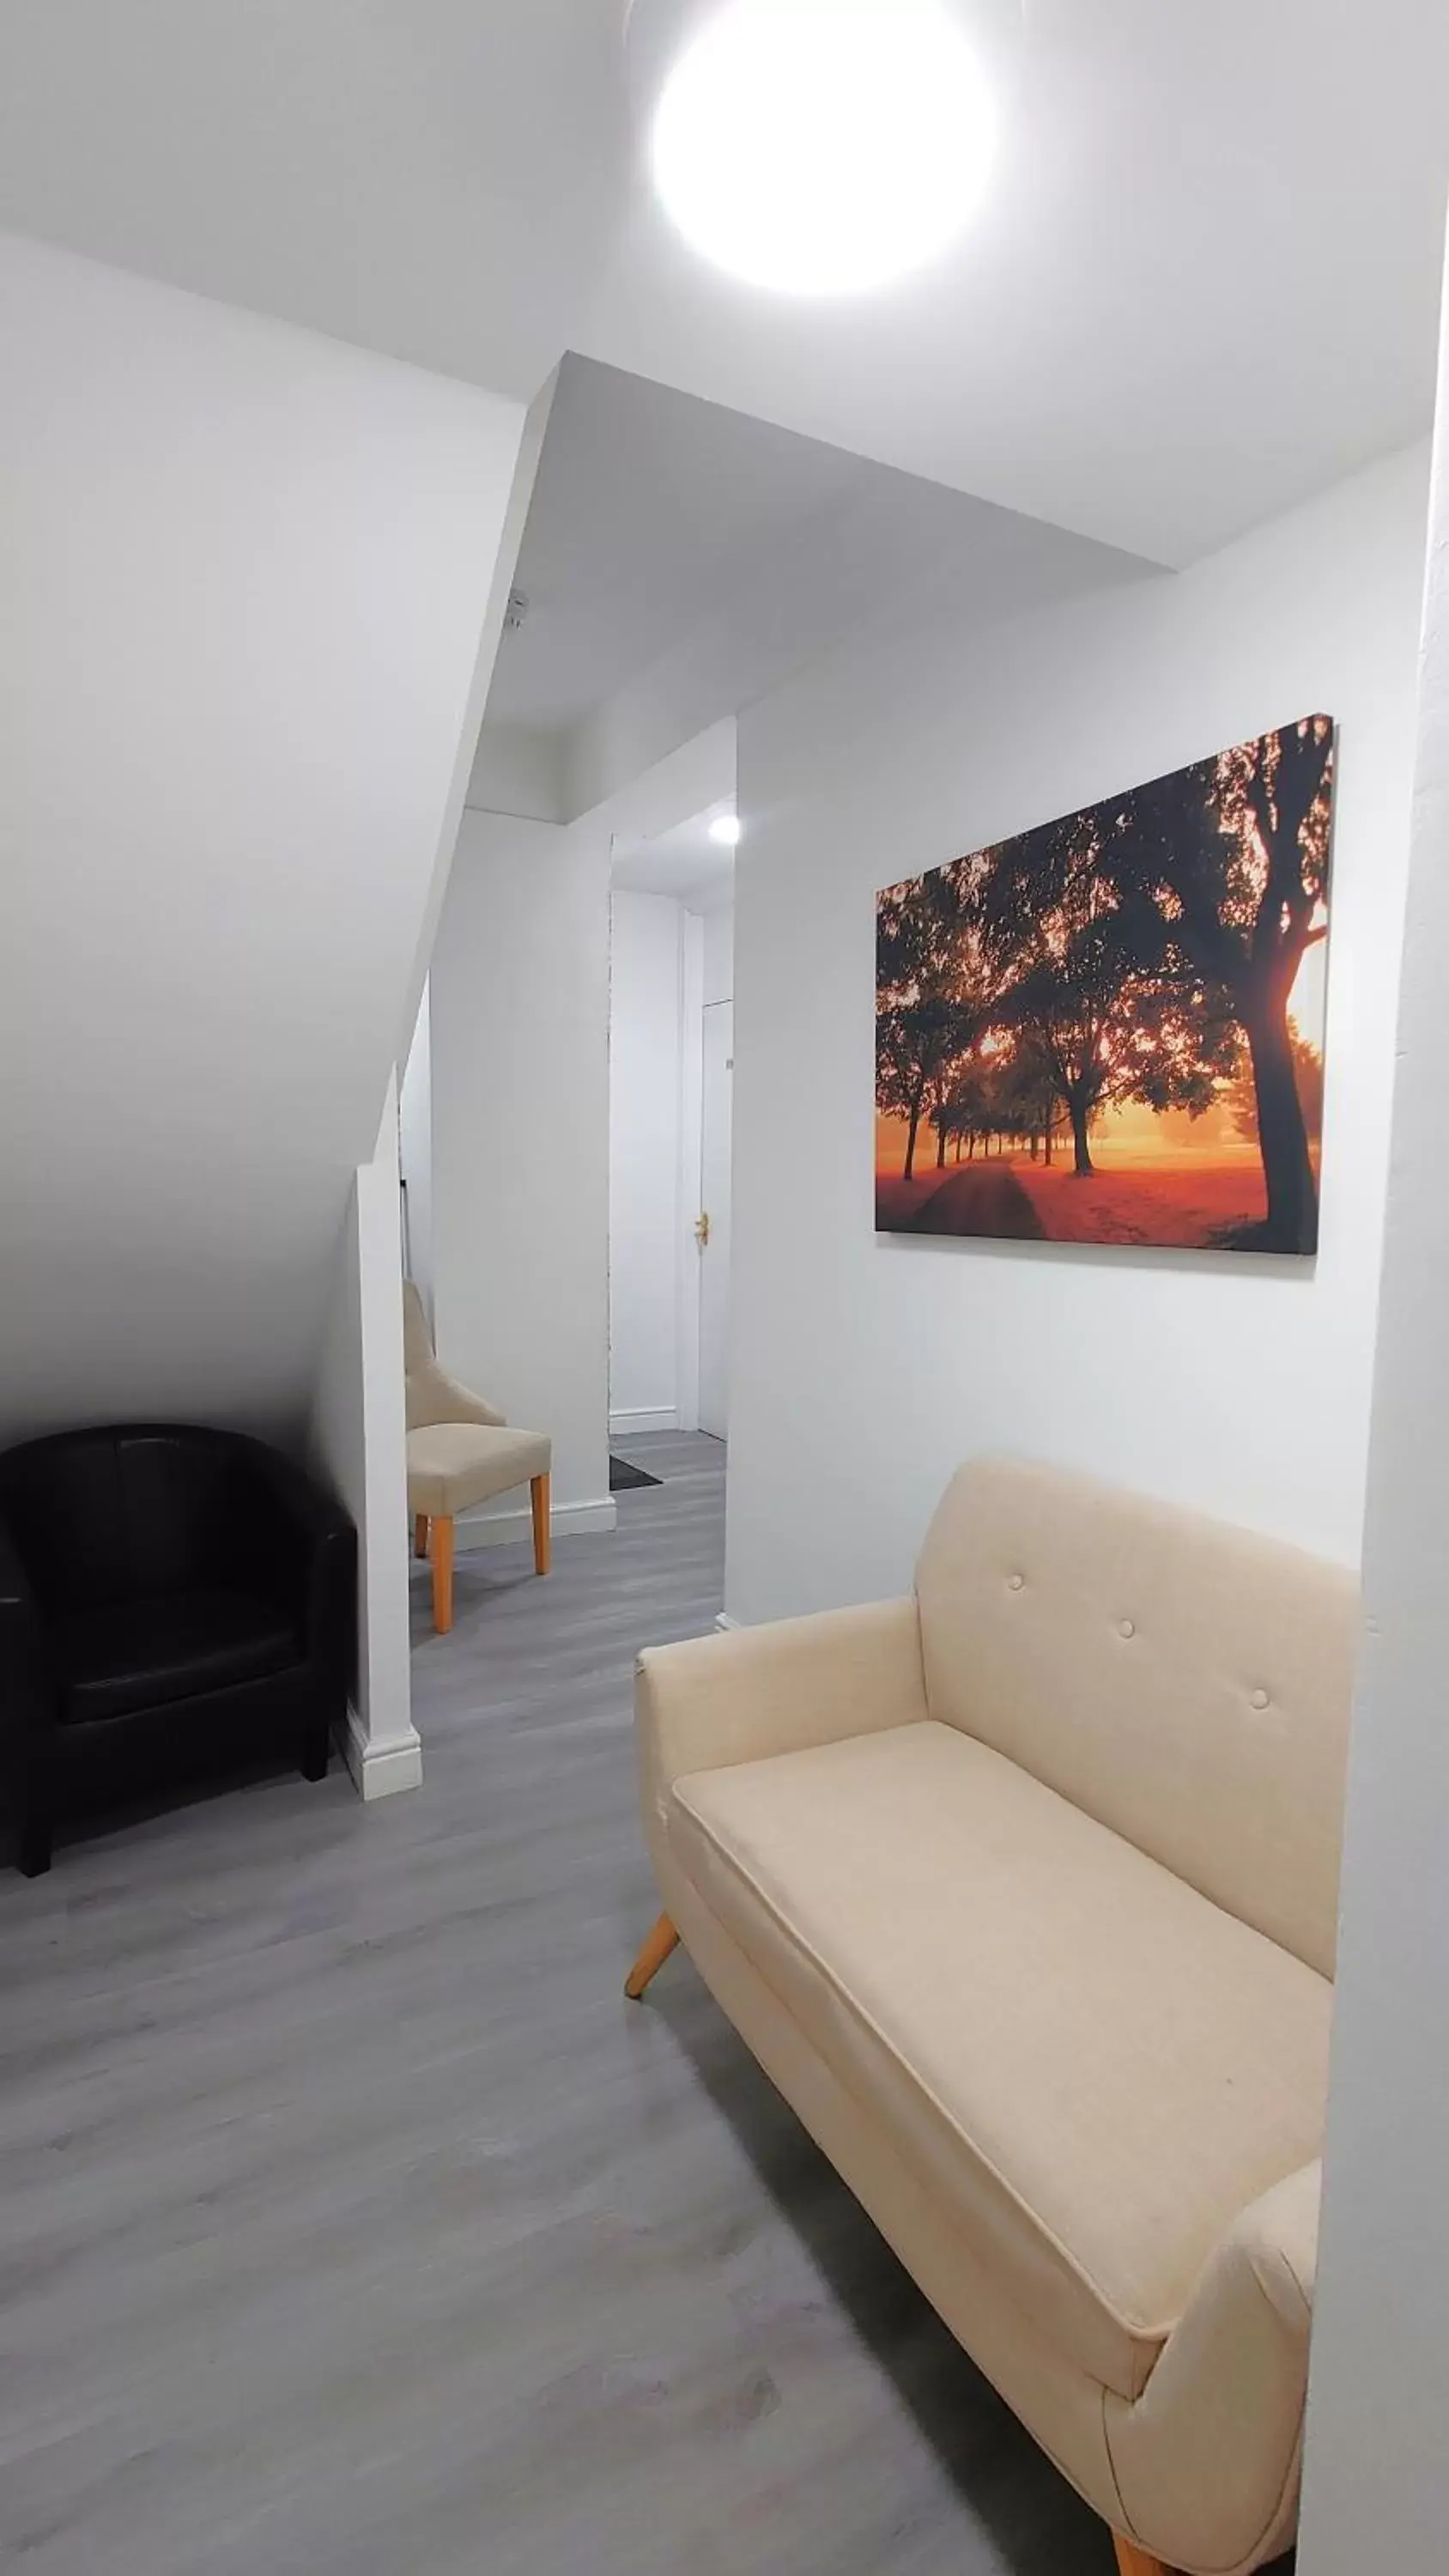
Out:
{"x": 671, "y": 1071}
{"x": 716, "y": 1127}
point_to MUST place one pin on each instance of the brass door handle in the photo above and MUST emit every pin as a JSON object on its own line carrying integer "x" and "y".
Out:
{"x": 701, "y": 1229}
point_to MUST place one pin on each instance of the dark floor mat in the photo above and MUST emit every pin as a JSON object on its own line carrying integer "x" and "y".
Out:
{"x": 623, "y": 1478}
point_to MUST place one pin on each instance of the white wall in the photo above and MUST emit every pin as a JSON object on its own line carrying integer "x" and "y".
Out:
{"x": 520, "y": 1029}
{"x": 358, "y": 1446}
{"x": 646, "y": 1214}
{"x": 520, "y": 1018}
{"x": 865, "y": 1369}
{"x": 719, "y": 954}
{"x": 1376, "y": 2489}
{"x": 248, "y": 578}
{"x": 415, "y": 1150}
{"x": 879, "y": 542}
{"x": 520, "y": 769}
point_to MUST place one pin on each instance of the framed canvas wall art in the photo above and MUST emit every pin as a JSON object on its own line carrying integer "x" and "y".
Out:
{"x": 1110, "y": 1029}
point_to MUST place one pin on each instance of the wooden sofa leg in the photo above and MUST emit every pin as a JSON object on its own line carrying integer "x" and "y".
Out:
{"x": 442, "y": 1573}
{"x": 651, "y": 1958}
{"x": 420, "y": 1535}
{"x": 1132, "y": 2561}
{"x": 542, "y": 1525}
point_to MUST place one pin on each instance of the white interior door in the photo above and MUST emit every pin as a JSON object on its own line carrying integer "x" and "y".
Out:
{"x": 714, "y": 1201}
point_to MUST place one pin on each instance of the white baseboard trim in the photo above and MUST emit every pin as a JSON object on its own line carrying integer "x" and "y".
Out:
{"x": 641, "y": 1419}
{"x": 727, "y": 1620}
{"x": 568, "y": 1520}
{"x": 381, "y": 1770}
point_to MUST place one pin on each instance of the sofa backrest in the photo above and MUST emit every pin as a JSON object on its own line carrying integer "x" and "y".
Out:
{"x": 1184, "y": 1682}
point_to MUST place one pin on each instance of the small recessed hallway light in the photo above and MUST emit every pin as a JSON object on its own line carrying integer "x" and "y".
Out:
{"x": 726, "y": 830}
{"x": 824, "y": 147}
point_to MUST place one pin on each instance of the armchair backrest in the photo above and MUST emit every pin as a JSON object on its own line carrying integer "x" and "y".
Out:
{"x": 113, "y": 1514}
{"x": 1186, "y": 1683}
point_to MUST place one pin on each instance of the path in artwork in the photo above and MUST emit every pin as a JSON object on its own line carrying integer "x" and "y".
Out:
{"x": 981, "y": 1202}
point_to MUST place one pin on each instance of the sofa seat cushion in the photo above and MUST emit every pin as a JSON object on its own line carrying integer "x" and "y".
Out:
{"x": 1091, "y": 2068}
{"x": 117, "y": 1657}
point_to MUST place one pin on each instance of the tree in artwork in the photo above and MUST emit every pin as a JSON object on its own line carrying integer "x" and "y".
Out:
{"x": 1140, "y": 981}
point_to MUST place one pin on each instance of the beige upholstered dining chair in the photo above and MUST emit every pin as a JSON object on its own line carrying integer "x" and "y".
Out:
{"x": 460, "y": 1452}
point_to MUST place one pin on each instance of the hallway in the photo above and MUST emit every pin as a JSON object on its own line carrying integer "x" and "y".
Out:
{"x": 357, "y": 2224}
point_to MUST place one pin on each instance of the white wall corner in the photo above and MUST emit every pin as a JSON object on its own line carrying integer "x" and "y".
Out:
{"x": 1376, "y": 2466}
{"x": 358, "y": 1442}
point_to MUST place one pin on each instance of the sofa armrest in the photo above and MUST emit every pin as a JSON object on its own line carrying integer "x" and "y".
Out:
{"x": 737, "y": 1697}
{"x": 1229, "y": 2385}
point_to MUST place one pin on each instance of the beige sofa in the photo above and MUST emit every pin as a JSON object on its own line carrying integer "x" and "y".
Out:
{"x": 1023, "y": 1892}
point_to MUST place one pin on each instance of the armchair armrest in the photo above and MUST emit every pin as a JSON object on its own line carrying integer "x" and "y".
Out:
{"x": 1230, "y": 2385}
{"x": 27, "y": 1690}
{"x": 714, "y": 1701}
{"x": 28, "y": 1712}
{"x": 315, "y": 1562}
{"x": 434, "y": 1396}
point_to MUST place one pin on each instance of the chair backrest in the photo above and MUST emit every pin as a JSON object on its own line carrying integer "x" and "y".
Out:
{"x": 1186, "y": 1683}
{"x": 417, "y": 1340}
{"x": 134, "y": 1509}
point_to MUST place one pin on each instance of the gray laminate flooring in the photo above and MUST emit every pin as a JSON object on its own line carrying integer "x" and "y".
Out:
{"x": 354, "y": 2225}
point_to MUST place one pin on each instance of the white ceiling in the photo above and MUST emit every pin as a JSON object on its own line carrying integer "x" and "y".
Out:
{"x": 647, "y": 507}
{"x": 1204, "y": 284}
{"x": 681, "y": 559}
{"x": 683, "y": 862}
{"x": 433, "y": 178}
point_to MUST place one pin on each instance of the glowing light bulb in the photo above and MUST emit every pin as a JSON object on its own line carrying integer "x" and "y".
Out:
{"x": 824, "y": 147}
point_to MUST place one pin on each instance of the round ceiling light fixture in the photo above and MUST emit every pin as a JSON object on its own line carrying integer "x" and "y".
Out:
{"x": 726, "y": 829}
{"x": 821, "y": 147}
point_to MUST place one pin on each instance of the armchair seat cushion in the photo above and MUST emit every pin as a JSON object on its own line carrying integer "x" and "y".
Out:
{"x": 1091, "y": 2067}
{"x": 115, "y": 1657}
{"x": 452, "y": 1465}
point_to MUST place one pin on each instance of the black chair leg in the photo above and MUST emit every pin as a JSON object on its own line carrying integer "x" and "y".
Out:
{"x": 316, "y": 1745}
{"x": 32, "y": 1846}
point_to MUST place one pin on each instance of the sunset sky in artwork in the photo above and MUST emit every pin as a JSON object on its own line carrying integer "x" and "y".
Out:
{"x": 1131, "y": 1134}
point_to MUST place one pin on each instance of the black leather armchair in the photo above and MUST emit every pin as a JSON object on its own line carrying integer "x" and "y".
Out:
{"x": 172, "y": 1602}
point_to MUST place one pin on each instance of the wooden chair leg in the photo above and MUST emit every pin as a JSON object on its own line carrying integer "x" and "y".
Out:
{"x": 442, "y": 1573}
{"x": 1132, "y": 2561}
{"x": 651, "y": 1958}
{"x": 542, "y": 1525}
{"x": 420, "y": 1534}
